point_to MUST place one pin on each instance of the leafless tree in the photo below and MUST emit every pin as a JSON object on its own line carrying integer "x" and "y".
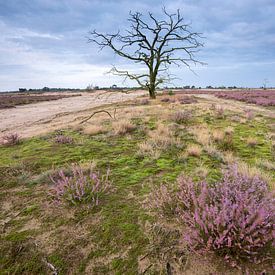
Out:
{"x": 155, "y": 43}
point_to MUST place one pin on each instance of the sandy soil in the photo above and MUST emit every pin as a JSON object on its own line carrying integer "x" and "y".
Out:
{"x": 40, "y": 118}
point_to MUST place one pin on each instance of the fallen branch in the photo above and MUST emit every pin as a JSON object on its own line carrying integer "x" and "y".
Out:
{"x": 100, "y": 111}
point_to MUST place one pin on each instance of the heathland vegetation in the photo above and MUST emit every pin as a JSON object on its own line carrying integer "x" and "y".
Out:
{"x": 143, "y": 191}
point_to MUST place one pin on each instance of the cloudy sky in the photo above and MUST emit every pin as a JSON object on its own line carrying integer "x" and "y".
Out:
{"x": 44, "y": 42}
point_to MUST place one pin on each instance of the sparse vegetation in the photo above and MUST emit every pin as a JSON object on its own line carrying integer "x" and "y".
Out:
{"x": 142, "y": 214}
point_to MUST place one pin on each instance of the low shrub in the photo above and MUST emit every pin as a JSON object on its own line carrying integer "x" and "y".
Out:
{"x": 10, "y": 139}
{"x": 187, "y": 100}
{"x": 233, "y": 218}
{"x": 182, "y": 117}
{"x": 61, "y": 139}
{"x": 165, "y": 99}
{"x": 82, "y": 186}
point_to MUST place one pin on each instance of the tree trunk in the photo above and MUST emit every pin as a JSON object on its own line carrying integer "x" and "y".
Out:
{"x": 152, "y": 92}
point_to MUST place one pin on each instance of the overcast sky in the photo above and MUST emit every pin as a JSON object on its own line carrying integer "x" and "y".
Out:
{"x": 44, "y": 42}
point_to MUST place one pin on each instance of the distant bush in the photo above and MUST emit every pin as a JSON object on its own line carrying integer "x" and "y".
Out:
{"x": 62, "y": 139}
{"x": 165, "y": 99}
{"x": 11, "y": 139}
{"x": 187, "y": 100}
{"x": 82, "y": 186}
{"x": 233, "y": 218}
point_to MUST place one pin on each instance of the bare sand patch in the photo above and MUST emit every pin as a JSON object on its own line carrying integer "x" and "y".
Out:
{"x": 40, "y": 118}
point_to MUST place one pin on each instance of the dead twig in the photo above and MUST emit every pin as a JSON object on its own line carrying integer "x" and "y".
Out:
{"x": 100, "y": 111}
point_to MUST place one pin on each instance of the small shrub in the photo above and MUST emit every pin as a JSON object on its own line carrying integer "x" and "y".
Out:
{"x": 79, "y": 187}
{"x": 123, "y": 126}
{"x": 183, "y": 117}
{"x": 11, "y": 139}
{"x": 61, "y": 139}
{"x": 193, "y": 150}
{"x": 233, "y": 218}
{"x": 170, "y": 92}
{"x": 163, "y": 200}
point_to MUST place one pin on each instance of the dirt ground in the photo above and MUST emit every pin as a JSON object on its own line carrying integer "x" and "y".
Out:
{"x": 39, "y": 118}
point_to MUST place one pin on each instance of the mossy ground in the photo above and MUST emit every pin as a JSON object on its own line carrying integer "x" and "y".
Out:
{"x": 113, "y": 237}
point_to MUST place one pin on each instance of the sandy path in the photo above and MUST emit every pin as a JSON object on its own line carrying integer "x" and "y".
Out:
{"x": 39, "y": 118}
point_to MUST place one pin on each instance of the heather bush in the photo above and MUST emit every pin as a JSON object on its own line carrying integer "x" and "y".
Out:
{"x": 11, "y": 139}
{"x": 82, "y": 186}
{"x": 234, "y": 218}
{"x": 165, "y": 99}
{"x": 61, "y": 139}
{"x": 183, "y": 117}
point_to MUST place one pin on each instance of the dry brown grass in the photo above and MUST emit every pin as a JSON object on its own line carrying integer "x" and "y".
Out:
{"x": 193, "y": 150}
{"x": 163, "y": 137}
{"x": 251, "y": 141}
{"x": 229, "y": 130}
{"x": 201, "y": 134}
{"x": 146, "y": 149}
{"x": 266, "y": 164}
{"x": 123, "y": 126}
{"x": 201, "y": 171}
{"x": 212, "y": 151}
{"x": 94, "y": 130}
{"x": 218, "y": 135}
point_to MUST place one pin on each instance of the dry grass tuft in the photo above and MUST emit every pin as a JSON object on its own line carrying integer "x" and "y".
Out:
{"x": 229, "y": 130}
{"x": 252, "y": 171}
{"x": 264, "y": 163}
{"x": 123, "y": 126}
{"x": 201, "y": 134}
{"x": 201, "y": 171}
{"x": 146, "y": 149}
{"x": 218, "y": 135}
{"x": 94, "y": 130}
{"x": 229, "y": 158}
{"x": 163, "y": 137}
{"x": 251, "y": 141}
{"x": 193, "y": 150}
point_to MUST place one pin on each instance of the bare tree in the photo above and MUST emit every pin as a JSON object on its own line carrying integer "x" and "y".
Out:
{"x": 156, "y": 43}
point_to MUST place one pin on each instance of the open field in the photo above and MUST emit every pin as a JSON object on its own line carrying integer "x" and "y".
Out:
{"x": 148, "y": 145}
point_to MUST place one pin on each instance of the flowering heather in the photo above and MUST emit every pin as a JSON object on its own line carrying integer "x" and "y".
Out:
{"x": 258, "y": 97}
{"x": 61, "y": 139}
{"x": 11, "y": 139}
{"x": 234, "y": 218}
{"x": 80, "y": 187}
